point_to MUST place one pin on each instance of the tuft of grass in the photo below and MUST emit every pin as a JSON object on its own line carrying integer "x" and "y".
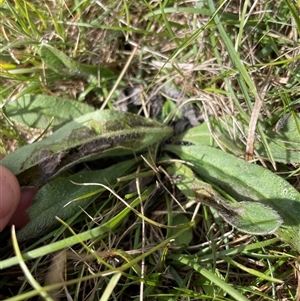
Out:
{"x": 236, "y": 62}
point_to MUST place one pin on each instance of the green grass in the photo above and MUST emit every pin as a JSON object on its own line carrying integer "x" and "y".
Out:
{"x": 237, "y": 62}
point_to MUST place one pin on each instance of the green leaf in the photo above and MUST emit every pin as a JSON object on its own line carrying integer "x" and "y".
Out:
{"x": 186, "y": 237}
{"x": 198, "y": 135}
{"x": 245, "y": 181}
{"x": 100, "y": 133}
{"x": 38, "y": 110}
{"x": 58, "y": 198}
{"x": 284, "y": 144}
{"x": 62, "y": 64}
{"x": 250, "y": 217}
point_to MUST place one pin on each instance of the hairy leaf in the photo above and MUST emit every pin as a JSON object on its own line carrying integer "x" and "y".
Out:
{"x": 62, "y": 64}
{"x": 246, "y": 216}
{"x": 283, "y": 139}
{"x": 247, "y": 182}
{"x": 58, "y": 198}
{"x": 186, "y": 237}
{"x": 100, "y": 133}
{"x": 38, "y": 110}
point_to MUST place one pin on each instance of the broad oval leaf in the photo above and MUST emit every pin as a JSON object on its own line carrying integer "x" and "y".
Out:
{"x": 63, "y": 198}
{"x": 247, "y": 216}
{"x": 253, "y": 217}
{"x": 186, "y": 237}
{"x": 283, "y": 141}
{"x": 59, "y": 62}
{"x": 247, "y": 182}
{"x": 38, "y": 110}
{"x": 100, "y": 133}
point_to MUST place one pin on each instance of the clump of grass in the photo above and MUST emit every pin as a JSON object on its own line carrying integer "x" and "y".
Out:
{"x": 237, "y": 60}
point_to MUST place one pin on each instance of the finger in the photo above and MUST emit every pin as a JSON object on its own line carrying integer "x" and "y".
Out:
{"x": 9, "y": 195}
{"x": 20, "y": 218}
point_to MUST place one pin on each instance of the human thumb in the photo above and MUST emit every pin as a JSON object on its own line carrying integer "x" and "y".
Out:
{"x": 9, "y": 195}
